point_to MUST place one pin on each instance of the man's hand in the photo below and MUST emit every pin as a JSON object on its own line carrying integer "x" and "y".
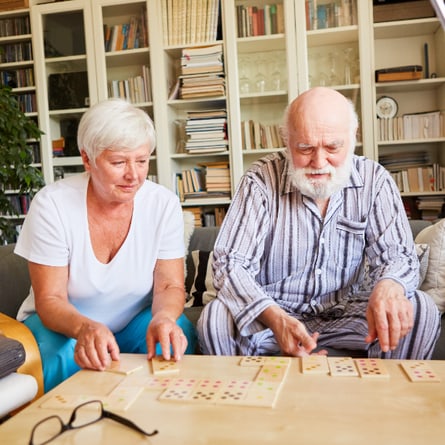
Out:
{"x": 290, "y": 333}
{"x": 389, "y": 315}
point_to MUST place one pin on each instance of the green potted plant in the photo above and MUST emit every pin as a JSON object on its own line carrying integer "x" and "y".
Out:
{"x": 17, "y": 174}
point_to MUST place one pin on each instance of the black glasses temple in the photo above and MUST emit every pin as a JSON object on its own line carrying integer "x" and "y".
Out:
{"x": 126, "y": 422}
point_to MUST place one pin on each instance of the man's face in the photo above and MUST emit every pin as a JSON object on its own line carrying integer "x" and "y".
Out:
{"x": 321, "y": 153}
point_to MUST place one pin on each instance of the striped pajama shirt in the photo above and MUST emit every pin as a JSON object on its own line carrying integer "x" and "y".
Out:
{"x": 274, "y": 248}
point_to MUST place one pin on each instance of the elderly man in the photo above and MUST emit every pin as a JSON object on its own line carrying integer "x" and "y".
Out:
{"x": 289, "y": 259}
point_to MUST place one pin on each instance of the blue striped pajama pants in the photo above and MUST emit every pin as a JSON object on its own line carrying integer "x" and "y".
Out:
{"x": 218, "y": 334}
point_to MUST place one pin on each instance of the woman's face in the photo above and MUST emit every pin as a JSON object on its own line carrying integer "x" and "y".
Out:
{"x": 118, "y": 175}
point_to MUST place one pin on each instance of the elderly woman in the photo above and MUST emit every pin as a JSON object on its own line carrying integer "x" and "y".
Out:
{"x": 105, "y": 251}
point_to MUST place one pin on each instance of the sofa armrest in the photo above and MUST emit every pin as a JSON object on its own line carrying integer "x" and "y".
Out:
{"x": 12, "y": 328}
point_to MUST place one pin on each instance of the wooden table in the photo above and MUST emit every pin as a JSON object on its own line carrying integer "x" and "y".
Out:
{"x": 311, "y": 409}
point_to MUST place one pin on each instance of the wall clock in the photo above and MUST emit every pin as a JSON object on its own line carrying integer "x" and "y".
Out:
{"x": 386, "y": 107}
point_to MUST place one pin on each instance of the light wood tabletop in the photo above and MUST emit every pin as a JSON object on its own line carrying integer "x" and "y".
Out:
{"x": 309, "y": 410}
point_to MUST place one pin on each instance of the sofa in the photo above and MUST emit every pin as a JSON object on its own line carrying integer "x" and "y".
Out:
{"x": 424, "y": 232}
{"x": 15, "y": 284}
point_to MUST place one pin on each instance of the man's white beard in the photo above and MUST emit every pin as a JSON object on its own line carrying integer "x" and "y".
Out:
{"x": 321, "y": 188}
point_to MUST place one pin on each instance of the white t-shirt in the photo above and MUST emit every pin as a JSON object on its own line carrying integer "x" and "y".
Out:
{"x": 56, "y": 233}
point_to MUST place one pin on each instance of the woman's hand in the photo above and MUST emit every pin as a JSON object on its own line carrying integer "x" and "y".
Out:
{"x": 96, "y": 346}
{"x": 164, "y": 330}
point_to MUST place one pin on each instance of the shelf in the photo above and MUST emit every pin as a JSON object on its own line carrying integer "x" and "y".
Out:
{"x": 300, "y": 55}
{"x": 271, "y": 42}
{"x": 262, "y": 151}
{"x": 346, "y": 89}
{"x": 406, "y": 28}
{"x": 64, "y": 64}
{"x": 199, "y": 156}
{"x": 67, "y": 161}
{"x": 175, "y": 51}
{"x": 13, "y": 217}
{"x": 439, "y": 193}
{"x": 24, "y": 89}
{"x": 15, "y": 39}
{"x": 410, "y": 85}
{"x": 263, "y": 98}
{"x": 138, "y": 56}
{"x": 184, "y": 104}
{"x": 15, "y": 65}
{"x": 412, "y": 142}
{"x": 69, "y": 113}
{"x": 205, "y": 202}
{"x": 332, "y": 36}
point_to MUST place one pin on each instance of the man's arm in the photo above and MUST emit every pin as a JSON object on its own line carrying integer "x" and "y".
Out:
{"x": 393, "y": 266}
{"x": 290, "y": 333}
{"x": 238, "y": 252}
{"x": 389, "y": 314}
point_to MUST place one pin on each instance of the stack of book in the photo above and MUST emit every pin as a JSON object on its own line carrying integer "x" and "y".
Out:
{"x": 398, "y": 73}
{"x": 260, "y": 20}
{"x": 206, "y": 131}
{"x": 210, "y": 216}
{"x": 18, "y": 78}
{"x": 127, "y": 35}
{"x": 193, "y": 182}
{"x": 207, "y": 182}
{"x": 422, "y": 125}
{"x": 217, "y": 177}
{"x": 202, "y": 72}
{"x": 430, "y": 206}
{"x": 325, "y": 14}
{"x": 256, "y": 135}
{"x": 197, "y": 215}
{"x": 14, "y": 26}
{"x": 134, "y": 89}
{"x": 414, "y": 171}
{"x": 186, "y": 22}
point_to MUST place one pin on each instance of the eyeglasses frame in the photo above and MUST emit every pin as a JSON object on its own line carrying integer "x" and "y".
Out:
{"x": 104, "y": 415}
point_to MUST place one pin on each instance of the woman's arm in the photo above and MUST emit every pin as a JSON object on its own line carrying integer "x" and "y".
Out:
{"x": 167, "y": 307}
{"x": 96, "y": 344}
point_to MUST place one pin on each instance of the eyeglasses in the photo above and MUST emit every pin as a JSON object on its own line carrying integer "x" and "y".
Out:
{"x": 83, "y": 415}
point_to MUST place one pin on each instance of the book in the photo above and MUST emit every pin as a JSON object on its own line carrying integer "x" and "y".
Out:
{"x": 410, "y": 72}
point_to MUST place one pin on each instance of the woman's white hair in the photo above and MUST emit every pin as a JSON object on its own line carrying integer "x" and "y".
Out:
{"x": 114, "y": 124}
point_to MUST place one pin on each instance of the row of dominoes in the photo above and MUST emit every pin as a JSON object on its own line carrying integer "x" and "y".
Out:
{"x": 262, "y": 391}
{"x": 124, "y": 394}
{"x": 416, "y": 370}
{"x": 119, "y": 399}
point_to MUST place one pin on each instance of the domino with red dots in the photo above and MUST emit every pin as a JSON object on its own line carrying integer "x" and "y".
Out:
{"x": 420, "y": 371}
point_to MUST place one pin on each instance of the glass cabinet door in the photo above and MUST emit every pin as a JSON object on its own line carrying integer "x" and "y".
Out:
{"x": 66, "y": 80}
{"x": 333, "y": 49}
{"x": 122, "y": 51}
{"x": 264, "y": 75}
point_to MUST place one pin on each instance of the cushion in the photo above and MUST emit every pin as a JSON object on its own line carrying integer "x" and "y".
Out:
{"x": 422, "y": 250}
{"x": 202, "y": 291}
{"x": 189, "y": 227}
{"x": 434, "y": 283}
{"x": 12, "y": 355}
